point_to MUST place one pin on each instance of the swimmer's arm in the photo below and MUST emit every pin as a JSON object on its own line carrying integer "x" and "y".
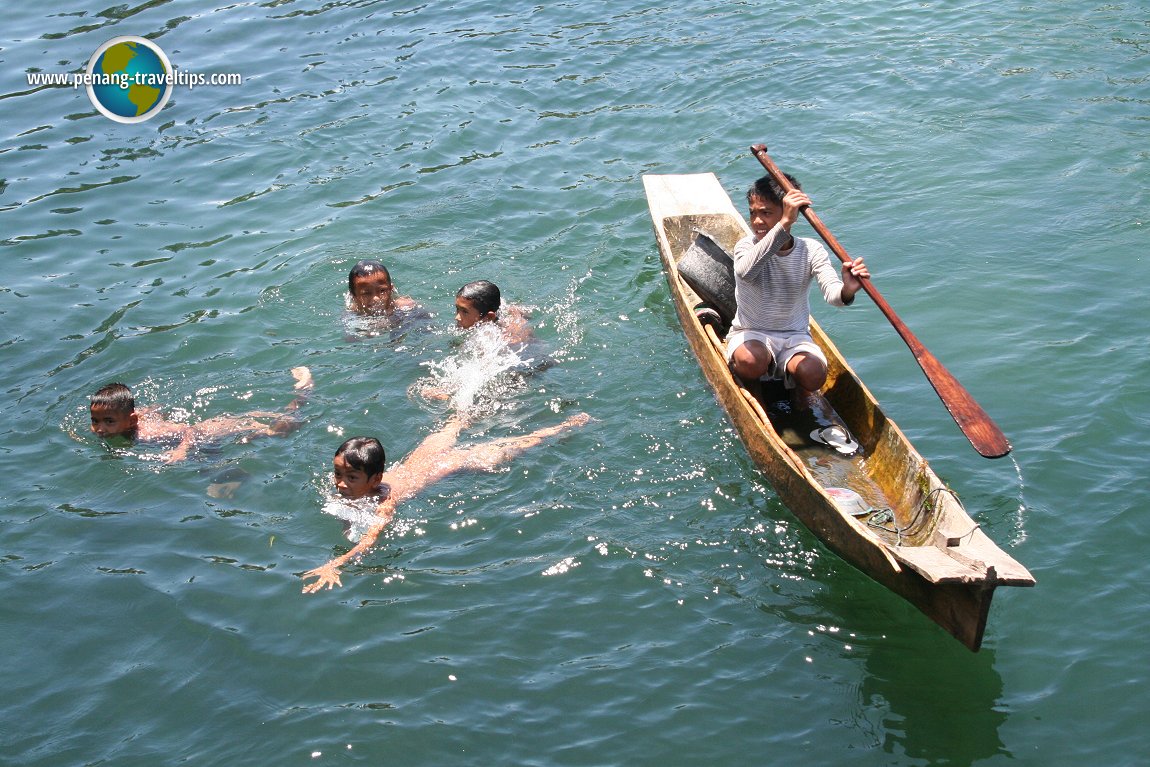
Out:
{"x": 176, "y": 454}
{"x": 180, "y": 451}
{"x": 328, "y": 575}
{"x": 428, "y": 391}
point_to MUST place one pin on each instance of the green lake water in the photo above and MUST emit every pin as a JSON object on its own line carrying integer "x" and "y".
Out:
{"x": 632, "y": 592}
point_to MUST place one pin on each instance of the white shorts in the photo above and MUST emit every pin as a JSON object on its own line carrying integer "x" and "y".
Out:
{"x": 782, "y": 348}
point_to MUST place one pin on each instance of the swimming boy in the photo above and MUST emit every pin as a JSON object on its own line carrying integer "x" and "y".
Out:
{"x": 358, "y": 468}
{"x": 500, "y": 343}
{"x": 436, "y": 457}
{"x": 478, "y": 302}
{"x": 371, "y": 291}
{"x": 114, "y": 414}
{"x": 770, "y": 335}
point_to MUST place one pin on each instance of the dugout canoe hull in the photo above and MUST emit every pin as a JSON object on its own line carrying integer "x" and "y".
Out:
{"x": 939, "y": 559}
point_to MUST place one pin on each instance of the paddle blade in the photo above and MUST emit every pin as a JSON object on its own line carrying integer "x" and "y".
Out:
{"x": 978, "y": 427}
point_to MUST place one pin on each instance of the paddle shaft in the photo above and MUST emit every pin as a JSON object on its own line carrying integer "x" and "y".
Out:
{"x": 978, "y": 427}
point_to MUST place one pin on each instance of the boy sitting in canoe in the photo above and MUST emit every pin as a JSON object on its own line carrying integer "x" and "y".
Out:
{"x": 770, "y": 335}
{"x": 114, "y": 414}
{"x": 436, "y": 457}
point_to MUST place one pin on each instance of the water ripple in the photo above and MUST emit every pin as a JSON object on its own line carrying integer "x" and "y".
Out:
{"x": 985, "y": 158}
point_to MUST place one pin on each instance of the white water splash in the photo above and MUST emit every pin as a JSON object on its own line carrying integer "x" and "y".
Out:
{"x": 360, "y": 516}
{"x": 484, "y": 371}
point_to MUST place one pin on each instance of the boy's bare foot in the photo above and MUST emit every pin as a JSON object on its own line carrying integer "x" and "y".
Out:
{"x": 302, "y": 376}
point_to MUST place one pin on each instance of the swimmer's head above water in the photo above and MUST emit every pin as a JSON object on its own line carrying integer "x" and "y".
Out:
{"x": 477, "y": 302}
{"x": 358, "y": 467}
{"x": 113, "y": 411}
{"x": 371, "y": 289}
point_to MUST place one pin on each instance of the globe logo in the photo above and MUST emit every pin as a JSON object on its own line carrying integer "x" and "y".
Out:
{"x": 130, "y": 79}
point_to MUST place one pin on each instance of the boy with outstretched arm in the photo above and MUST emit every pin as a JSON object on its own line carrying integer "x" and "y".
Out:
{"x": 436, "y": 457}
{"x": 114, "y": 414}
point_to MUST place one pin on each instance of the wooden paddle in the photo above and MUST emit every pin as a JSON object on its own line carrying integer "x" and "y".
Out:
{"x": 978, "y": 427}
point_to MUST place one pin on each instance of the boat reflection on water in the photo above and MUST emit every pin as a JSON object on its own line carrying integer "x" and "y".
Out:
{"x": 918, "y": 694}
{"x": 933, "y": 700}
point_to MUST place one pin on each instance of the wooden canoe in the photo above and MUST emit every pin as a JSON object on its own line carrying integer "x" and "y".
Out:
{"x": 882, "y": 510}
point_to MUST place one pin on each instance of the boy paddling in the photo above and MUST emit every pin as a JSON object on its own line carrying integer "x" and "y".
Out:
{"x": 770, "y": 335}
{"x": 480, "y": 302}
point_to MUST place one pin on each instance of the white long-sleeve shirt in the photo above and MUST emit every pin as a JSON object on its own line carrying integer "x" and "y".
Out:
{"x": 771, "y": 291}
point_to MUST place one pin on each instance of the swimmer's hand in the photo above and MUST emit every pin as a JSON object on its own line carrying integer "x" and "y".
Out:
{"x": 176, "y": 454}
{"x": 429, "y": 392}
{"x": 325, "y": 575}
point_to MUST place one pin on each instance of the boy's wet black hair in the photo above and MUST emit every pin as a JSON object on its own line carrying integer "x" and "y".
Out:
{"x": 363, "y": 269}
{"x": 482, "y": 294}
{"x": 114, "y": 396}
{"x": 364, "y": 454}
{"x": 769, "y": 189}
